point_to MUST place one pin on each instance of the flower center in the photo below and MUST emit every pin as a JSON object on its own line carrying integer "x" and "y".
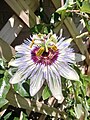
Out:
{"x": 46, "y": 58}
{"x": 45, "y": 54}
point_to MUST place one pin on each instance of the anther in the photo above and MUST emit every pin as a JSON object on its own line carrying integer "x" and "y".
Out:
{"x": 54, "y": 48}
{"x": 31, "y": 43}
{"x": 40, "y": 51}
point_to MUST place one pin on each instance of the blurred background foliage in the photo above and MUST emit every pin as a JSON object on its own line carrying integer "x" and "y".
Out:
{"x": 72, "y": 20}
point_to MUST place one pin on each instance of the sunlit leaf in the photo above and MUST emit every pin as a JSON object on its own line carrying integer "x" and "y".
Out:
{"x": 59, "y": 10}
{"x": 86, "y": 6}
{"x": 4, "y": 85}
{"x": 1, "y": 63}
{"x": 67, "y": 4}
{"x": 5, "y": 50}
{"x": 3, "y": 102}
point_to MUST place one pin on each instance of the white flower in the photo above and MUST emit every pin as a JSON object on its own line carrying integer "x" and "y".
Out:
{"x": 45, "y": 58}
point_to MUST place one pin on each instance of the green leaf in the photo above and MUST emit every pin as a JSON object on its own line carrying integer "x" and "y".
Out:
{"x": 46, "y": 93}
{"x": 68, "y": 3}
{"x": 86, "y": 6}
{"x": 16, "y": 118}
{"x": 87, "y": 23}
{"x": 4, "y": 85}
{"x": 88, "y": 101}
{"x": 7, "y": 116}
{"x": 5, "y": 50}
{"x": 3, "y": 102}
{"x": 85, "y": 78}
{"x": 20, "y": 89}
{"x": 63, "y": 8}
{"x": 1, "y": 71}
{"x": 1, "y": 63}
{"x": 41, "y": 28}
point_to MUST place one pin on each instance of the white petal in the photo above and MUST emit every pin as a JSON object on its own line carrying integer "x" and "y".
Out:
{"x": 23, "y": 72}
{"x": 64, "y": 43}
{"x": 33, "y": 72}
{"x": 60, "y": 41}
{"x": 23, "y": 48}
{"x": 21, "y": 61}
{"x": 66, "y": 71}
{"x": 54, "y": 84}
{"x": 36, "y": 82}
{"x": 45, "y": 72}
{"x": 54, "y": 70}
{"x": 77, "y": 57}
{"x": 16, "y": 78}
{"x": 28, "y": 71}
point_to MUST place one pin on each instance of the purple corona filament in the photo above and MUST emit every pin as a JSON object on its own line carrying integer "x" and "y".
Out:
{"x": 46, "y": 58}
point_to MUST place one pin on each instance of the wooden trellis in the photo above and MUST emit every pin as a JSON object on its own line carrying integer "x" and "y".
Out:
{"x": 25, "y": 11}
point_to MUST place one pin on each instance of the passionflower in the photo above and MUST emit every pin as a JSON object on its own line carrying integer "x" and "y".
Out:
{"x": 45, "y": 58}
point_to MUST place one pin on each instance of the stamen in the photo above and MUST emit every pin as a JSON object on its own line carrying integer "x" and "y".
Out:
{"x": 53, "y": 47}
{"x": 40, "y": 51}
{"x": 31, "y": 43}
